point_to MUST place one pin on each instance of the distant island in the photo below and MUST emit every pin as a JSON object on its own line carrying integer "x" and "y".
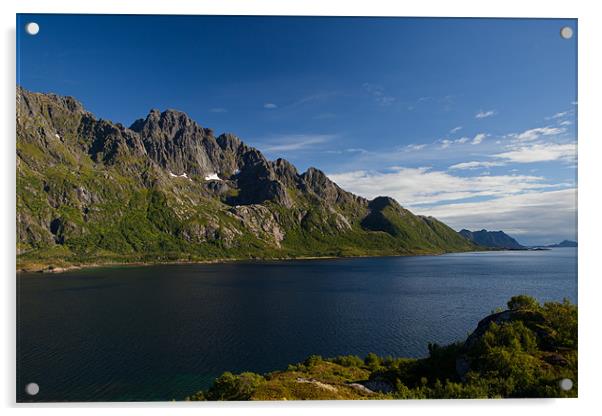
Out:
{"x": 524, "y": 351}
{"x": 165, "y": 189}
{"x": 501, "y": 240}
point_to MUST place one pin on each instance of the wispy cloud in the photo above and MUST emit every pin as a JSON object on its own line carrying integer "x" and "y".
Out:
{"x": 540, "y": 152}
{"x": 560, "y": 114}
{"x": 349, "y": 150}
{"x": 478, "y": 138}
{"x": 292, "y": 142}
{"x": 419, "y": 186}
{"x": 378, "y": 94}
{"x": 485, "y": 113}
{"x": 476, "y": 165}
{"x": 218, "y": 110}
{"x": 414, "y": 147}
{"x": 270, "y": 106}
{"x": 445, "y": 143}
{"x": 522, "y": 205}
{"x": 455, "y": 129}
{"x": 532, "y": 217}
{"x": 536, "y": 133}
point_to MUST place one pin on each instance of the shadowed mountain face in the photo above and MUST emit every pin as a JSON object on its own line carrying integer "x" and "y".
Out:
{"x": 90, "y": 190}
{"x": 493, "y": 239}
{"x": 564, "y": 243}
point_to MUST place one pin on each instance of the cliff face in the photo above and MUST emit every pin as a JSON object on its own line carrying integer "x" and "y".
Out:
{"x": 92, "y": 190}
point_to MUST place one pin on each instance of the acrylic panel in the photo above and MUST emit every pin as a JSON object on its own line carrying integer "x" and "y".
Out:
{"x": 295, "y": 208}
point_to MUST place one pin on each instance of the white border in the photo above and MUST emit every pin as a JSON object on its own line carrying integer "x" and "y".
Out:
{"x": 590, "y": 160}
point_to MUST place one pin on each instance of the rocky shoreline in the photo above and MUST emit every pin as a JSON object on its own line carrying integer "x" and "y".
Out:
{"x": 51, "y": 269}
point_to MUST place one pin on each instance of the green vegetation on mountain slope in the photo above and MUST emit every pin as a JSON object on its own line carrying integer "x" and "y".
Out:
{"x": 524, "y": 351}
{"x": 91, "y": 191}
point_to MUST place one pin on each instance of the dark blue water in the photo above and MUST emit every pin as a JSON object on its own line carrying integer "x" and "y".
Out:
{"x": 164, "y": 332}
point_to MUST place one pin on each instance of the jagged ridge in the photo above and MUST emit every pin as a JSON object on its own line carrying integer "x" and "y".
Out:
{"x": 166, "y": 188}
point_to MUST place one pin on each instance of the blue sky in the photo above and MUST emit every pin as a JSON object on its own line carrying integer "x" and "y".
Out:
{"x": 470, "y": 120}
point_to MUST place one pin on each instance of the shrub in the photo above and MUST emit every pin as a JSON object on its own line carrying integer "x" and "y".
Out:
{"x": 372, "y": 361}
{"x": 234, "y": 387}
{"x": 523, "y": 302}
{"x": 348, "y": 361}
{"x": 514, "y": 336}
{"x": 312, "y": 360}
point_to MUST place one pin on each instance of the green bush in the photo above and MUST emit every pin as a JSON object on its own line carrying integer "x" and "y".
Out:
{"x": 372, "y": 361}
{"x": 234, "y": 387}
{"x": 348, "y": 360}
{"x": 522, "y": 302}
{"x": 313, "y": 360}
{"x": 524, "y": 354}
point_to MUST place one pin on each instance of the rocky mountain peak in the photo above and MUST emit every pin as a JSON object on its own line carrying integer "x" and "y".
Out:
{"x": 286, "y": 172}
{"x": 167, "y": 124}
{"x": 167, "y": 184}
{"x": 229, "y": 142}
{"x": 178, "y": 143}
{"x": 381, "y": 202}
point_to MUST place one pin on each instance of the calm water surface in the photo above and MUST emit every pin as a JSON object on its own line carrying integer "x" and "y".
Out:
{"x": 164, "y": 332}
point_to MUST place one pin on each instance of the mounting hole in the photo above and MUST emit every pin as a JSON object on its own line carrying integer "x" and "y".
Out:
{"x": 32, "y": 389}
{"x": 32, "y": 28}
{"x": 566, "y": 32}
{"x": 566, "y": 384}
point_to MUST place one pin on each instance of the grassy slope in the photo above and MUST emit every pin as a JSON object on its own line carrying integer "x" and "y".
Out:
{"x": 130, "y": 221}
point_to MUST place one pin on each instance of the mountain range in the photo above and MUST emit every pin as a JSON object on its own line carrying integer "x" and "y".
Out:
{"x": 492, "y": 239}
{"x": 90, "y": 191}
{"x": 564, "y": 243}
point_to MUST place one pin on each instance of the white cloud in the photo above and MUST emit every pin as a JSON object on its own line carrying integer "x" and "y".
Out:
{"x": 476, "y": 165}
{"x": 485, "y": 114}
{"x": 270, "y": 106}
{"x": 533, "y": 217}
{"x": 540, "y": 152}
{"x": 416, "y": 186}
{"x": 445, "y": 143}
{"x": 561, "y": 114}
{"x": 455, "y": 129}
{"x": 411, "y": 147}
{"x": 534, "y": 134}
{"x": 478, "y": 138}
{"x": 292, "y": 142}
{"x": 565, "y": 123}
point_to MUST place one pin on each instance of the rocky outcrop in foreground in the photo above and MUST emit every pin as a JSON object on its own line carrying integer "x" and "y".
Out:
{"x": 524, "y": 351}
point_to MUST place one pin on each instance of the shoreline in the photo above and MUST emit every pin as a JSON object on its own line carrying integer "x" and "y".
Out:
{"x": 48, "y": 269}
